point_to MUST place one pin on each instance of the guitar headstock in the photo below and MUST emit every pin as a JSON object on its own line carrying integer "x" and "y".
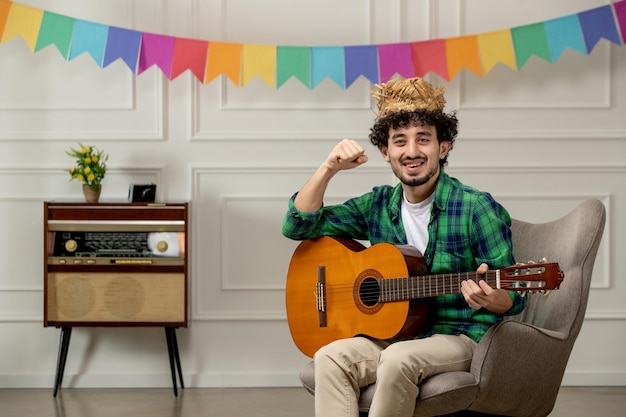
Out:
{"x": 532, "y": 277}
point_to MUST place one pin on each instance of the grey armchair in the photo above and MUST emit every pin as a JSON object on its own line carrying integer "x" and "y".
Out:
{"x": 519, "y": 364}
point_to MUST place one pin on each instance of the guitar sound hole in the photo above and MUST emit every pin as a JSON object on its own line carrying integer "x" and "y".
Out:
{"x": 369, "y": 292}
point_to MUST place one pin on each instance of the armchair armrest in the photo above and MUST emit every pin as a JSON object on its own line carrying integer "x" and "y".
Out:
{"x": 519, "y": 366}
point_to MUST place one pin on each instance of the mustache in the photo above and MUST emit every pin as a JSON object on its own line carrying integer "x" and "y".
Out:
{"x": 413, "y": 159}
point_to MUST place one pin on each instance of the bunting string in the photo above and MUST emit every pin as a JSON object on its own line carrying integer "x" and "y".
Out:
{"x": 310, "y": 65}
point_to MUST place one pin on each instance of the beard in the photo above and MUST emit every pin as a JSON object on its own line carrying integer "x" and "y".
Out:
{"x": 415, "y": 181}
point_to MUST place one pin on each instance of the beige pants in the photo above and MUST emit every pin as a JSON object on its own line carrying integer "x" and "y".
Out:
{"x": 342, "y": 367}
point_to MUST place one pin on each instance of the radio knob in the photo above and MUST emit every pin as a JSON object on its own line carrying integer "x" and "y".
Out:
{"x": 71, "y": 245}
{"x": 162, "y": 246}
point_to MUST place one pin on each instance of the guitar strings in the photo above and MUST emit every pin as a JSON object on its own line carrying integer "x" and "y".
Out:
{"x": 390, "y": 289}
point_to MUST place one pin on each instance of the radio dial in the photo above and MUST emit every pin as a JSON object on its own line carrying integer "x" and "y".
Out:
{"x": 71, "y": 245}
{"x": 162, "y": 246}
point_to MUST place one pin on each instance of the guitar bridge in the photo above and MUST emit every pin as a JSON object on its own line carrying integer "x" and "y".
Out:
{"x": 320, "y": 295}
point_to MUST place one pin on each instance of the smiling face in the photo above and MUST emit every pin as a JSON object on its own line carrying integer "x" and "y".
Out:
{"x": 414, "y": 152}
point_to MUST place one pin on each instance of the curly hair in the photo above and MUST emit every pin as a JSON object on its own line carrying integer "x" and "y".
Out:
{"x": 446, "y": 125}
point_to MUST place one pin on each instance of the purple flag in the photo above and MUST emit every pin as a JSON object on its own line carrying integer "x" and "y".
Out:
{"x": 596, "y": 24}
{"x": 395, "y": 58}
{"x": 361, "y": 60}
{"x": 156, "y": 50}
{"x": 122, "y": 43}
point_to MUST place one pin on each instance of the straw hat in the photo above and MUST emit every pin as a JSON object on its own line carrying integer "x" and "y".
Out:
{"x": 408, "y": 94}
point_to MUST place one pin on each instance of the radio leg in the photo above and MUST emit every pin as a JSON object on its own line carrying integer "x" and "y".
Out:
{"x": 64, "y": 345}
{"x": 177, "y": 358}
{"x": 172, "y": 350}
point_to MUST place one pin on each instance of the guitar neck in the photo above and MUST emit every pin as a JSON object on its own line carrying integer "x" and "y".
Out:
{"x": 425, "y": 286}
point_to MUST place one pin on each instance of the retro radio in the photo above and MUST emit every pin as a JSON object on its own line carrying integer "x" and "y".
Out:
{"x": 113, "y": 264}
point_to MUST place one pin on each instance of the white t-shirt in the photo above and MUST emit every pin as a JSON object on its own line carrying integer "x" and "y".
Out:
{"x": 415, "y": 218}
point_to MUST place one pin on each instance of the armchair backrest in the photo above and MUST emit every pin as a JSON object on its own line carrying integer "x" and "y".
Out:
{"x": 493, "y": 384}
{"x": 572, "y": 241}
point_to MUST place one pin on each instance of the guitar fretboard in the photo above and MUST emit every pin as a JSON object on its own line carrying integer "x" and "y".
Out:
{"x": 401, "y": 289}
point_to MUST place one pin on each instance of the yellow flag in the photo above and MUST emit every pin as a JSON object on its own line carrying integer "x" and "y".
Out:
{"x": 496, "y": 47}
{"x": 24, "y": 21}
{"x": 259, "y": 60}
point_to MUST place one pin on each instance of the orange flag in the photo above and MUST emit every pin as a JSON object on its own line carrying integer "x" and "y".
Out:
{"x": 224, "y": 58}
{"x": 462, "y": 52}
{"x": 495, "y": 47}
{"x": 5, "y": 8}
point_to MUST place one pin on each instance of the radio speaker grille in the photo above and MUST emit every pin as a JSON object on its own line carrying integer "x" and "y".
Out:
{"x": 116, "y": 297}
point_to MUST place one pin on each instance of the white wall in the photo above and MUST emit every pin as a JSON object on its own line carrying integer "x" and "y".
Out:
{"x": 540, "y": 139}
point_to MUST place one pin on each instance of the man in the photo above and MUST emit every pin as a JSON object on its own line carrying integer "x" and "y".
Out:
{"x": 456, "y": 227}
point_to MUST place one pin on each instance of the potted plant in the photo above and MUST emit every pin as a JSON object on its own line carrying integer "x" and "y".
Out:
{"x": 89, "y": 169}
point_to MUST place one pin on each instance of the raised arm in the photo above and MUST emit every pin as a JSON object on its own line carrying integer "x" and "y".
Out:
{"x": 347, "y": 154}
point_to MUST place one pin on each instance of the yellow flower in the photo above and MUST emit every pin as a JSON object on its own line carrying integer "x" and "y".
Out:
{"x": 90, "y": 167}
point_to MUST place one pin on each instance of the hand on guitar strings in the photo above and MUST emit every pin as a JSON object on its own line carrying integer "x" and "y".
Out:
{"x": 482, "y": 295}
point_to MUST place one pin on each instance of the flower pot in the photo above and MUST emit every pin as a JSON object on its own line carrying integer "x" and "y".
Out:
{"x": 92, "y": 195}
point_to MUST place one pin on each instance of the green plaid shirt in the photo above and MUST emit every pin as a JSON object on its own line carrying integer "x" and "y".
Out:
{"x": 466, "y": 228}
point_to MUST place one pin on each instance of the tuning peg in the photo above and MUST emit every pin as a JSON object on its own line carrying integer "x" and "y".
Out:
{"x": 544, "y": 260}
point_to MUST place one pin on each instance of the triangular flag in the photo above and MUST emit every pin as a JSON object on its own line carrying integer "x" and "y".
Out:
{"x": 563, "y": 33}
{"x": 190, "y": 54}
{"x": 530, "y": 40}
{"x": 462, "y": 52}
{"x": 293, "y": 61}
{"x": 328, "y": 61}
{"x": 620, "y": 14}
{"x": 361, "y": 60}
{"x": 395, "y": 58}
{"x": 259, "y": 60}
{"x": 430, "y": 56}
{"x": 156, "y": 50}
{"x": 495, "y": 47}
{"x": 89, "y": 37}
{"x": 224, "y": 58}
{"x": 56, "y": 30}
{"x": 125, "y": 44}
{"x": 596, "y": 24}
{"x": 23, "y": 21}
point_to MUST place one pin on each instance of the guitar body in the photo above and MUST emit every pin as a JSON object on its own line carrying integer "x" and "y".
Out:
{"x": 350, "y": 274}
{"x": 337, "y": 288}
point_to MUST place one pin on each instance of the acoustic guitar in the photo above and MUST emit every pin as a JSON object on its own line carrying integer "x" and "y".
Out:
{"x": 338, "y": 288}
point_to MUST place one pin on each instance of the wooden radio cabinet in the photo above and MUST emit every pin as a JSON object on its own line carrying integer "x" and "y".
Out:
{"x": 115, "y": 264}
